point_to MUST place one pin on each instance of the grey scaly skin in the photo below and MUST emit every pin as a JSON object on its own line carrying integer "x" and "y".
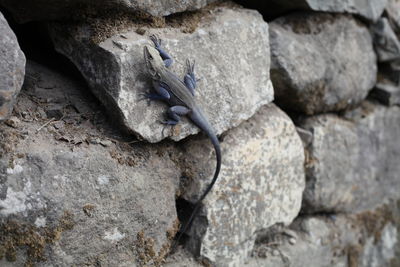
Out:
{"x": 180, "y": 97}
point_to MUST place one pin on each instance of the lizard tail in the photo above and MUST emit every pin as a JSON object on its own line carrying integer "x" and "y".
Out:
{"x": 202, "y": 123}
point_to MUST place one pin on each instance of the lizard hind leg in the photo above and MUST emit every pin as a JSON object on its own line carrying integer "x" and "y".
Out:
{"x": 174, "y": 114}
{"x": 190, "y": 78}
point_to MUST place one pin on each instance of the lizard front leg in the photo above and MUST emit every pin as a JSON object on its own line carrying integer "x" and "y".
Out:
{"x": 161, "y": 92}
{"x": 164, "y": 55}
{"x": 174, "y": 114}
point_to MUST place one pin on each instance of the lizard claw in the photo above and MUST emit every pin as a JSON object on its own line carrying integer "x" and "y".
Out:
{"x": 156, "y": 40}
{"x": 190, "y": 66}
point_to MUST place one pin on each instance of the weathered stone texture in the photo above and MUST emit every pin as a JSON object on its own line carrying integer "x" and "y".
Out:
{"x": 234, "y": 73}
{"x": 12, "y": 68}
{"x": 353, "y": 162}
{"x": 321, "y": 62}
{"x": 368, "y": 9}
{"x": 387, "y": 45}
{"x": 393, "y": 11}
{"x": 366, "y": 239}
{"x": 76, "y": 9}
{"x": 73, "y": 194}
{"x": 261, "y": 183}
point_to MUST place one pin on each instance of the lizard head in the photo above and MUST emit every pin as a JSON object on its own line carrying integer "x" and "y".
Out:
{"x": 153, "y": 60}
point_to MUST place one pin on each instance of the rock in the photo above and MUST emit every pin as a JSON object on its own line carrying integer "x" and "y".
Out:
{"x": 13, "y": 122}
{"x": 69, "y": 204}
{"x": 393, "y": 11}
{"x": 12, "y": 68}
{"x": 64, "y": 9}
{"x": 387, "y": 94}
{"x": 321, "y": 62}
{"x": 387, "y": 45}
{"x": 234, "y": 73}
{"x": 353, "y": 161}
{"x": 366, "y": 239}
{"x": 306, "y": 136}
{"x": 105, "y": 143}
{"x": 368, "y": 9}
{"x": 260, "y": 184}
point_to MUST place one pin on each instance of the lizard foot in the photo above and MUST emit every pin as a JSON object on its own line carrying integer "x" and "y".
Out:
{"x": 156, "y": 40}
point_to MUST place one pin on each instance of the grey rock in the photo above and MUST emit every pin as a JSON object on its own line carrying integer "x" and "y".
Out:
{"x": 381, "y": 253}
{"x": 306, "y": 136}
{"x": 74, "y": 203}
{"x": 386, "y": 93}
{"x": 63, "y": 9}
{"x": 352, "y": 240}
{"x": 368, "y": 9}
{"x": 12, "y": 68}
{"x": 321, "y": 62}
{"x": 13, "y": 122}
{"x": 367, "y": 239}
{"x": 353, "y": 162}
{"x": 387, "y": 45}
{"x": 234, "y": 72}
{"x": 261, "y": 183}
{"x": 393, "y": 11}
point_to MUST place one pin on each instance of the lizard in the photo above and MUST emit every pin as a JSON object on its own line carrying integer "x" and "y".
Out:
{"x": 179, "y": 95}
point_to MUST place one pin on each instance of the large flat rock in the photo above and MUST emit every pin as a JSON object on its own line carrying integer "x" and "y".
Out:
{"x": 234, "y": 73}
{"x": 261, "y": 183}
{"x": 77, "y": 9}
{"x": 321, "y": 62}
{"x": 12, "y": 68}
{"x": 353, "y": 162}
{"x": 71, "y": 195}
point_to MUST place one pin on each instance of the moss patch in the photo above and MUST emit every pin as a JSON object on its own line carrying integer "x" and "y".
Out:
{"x": 113, "y": 21}
{"x": 146, "y": 251}
{"x": 373, "y": 222}
{"x": 16, "y": 235}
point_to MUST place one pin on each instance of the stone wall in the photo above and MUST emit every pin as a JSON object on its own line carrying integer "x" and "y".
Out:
{"x": 304, "y": 96}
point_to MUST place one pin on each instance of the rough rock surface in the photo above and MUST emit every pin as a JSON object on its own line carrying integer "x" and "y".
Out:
{"x": 12, "y": 68}
{"x": 321, "y": 62}
{"x": 387, "y": 45}
{"x": 366, "y": 239}
{"x": 234, "y": 73}
{"x": 66, "y": 9}
{"x": 353, "y": 162}
{"x": 261, "y": 183}
{"x": 72, "y": 194}
{"x": 393, "y": 11}
{"x": 369, "y": 9}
